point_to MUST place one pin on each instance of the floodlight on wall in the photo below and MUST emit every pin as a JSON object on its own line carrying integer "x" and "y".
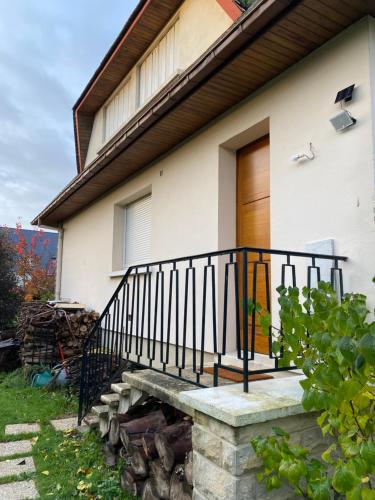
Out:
{"x": 343, "y": 120}
{"x": 304, "y": 156}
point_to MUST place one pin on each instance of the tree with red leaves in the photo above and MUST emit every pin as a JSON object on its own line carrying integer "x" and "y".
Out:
{"x": 36, "y": 281}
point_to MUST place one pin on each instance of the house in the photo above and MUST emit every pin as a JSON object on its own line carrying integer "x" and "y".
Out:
{"x": 209, "y": 127}
{"x": 45, "y": 243}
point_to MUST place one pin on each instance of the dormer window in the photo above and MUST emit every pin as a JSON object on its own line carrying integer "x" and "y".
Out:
{"x": 117, "y": 111}
{"x": 159, "y": 65}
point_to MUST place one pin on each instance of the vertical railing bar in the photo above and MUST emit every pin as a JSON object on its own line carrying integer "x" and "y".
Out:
{"x": 127, "y": 317}
{"x": 171, "y": 274}
{"x": 213, "y": 270}
{"x": 194, "y": 319}
{"x": 161, "y": 315}
{"x": 131, "y": 319}
{"x": 225, "y": 307}
{"x": 245, "y": 323}
{"x": 204, "y": 300}
{"x": 122, "y": 324}
{"x": 155, "y": 316}
{"x": 253, "y": 314}
{"x": 143, "y": 312}
{"x": 137, "y": 301}
{"x": 185, "y": 317}
{"x": 177, "y": 316}
{"x": 268, "y": 305}
{"x": 149, "y": 313}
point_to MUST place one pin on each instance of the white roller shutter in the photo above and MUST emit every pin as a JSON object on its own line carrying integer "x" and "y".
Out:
{"x": 117, "y": 111}
{"x": 138, "y": 220}
{"x": 159, "y": 65}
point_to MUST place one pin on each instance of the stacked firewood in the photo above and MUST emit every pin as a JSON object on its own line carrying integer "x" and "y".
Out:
{"x": 51, "y": 335}
{"x": 155, "y": 441}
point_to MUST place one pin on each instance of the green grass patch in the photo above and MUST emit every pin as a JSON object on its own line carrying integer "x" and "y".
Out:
{"x": 21, "y": 404}
{"x": 68, "y": 464}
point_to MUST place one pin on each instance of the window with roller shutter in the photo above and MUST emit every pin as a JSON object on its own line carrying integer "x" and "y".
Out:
{"x": 137, "y": 241}
{"x": 159, "y": 65}
{"x": 117, "y": 111}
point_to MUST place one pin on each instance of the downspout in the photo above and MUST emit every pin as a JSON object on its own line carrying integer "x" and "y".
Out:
{"x": 60, "y": 243}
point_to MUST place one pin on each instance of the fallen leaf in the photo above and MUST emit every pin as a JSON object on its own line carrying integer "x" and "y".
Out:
{"x": 45, "y": 472}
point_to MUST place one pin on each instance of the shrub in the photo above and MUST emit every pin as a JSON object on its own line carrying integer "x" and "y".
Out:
{"x": 333, "y": 342}
{"x": 9, "y": 291}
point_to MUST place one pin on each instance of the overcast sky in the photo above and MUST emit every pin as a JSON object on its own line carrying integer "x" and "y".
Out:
{"x": 49, "y": 49}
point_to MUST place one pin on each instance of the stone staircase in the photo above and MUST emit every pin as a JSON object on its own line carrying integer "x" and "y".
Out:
{"x": 122, "y": 397}
{"x": 136, "y": 388}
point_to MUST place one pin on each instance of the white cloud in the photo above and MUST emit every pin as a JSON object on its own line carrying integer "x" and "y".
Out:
{"x": 44, "y": 64}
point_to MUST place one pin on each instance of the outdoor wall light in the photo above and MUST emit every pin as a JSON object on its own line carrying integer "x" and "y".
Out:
{"x": 304, "y": 156}
{"x": 343, "y": 120}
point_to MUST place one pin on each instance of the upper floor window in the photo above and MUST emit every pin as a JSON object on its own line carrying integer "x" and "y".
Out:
{"x": 159, "y": 65}
{"x": 117, "y": 111}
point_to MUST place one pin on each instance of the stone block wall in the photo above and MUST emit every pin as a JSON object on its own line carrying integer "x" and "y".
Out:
{"x": 225, "y": 465}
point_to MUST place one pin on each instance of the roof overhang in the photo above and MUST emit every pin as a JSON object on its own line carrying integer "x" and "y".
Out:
{"x": 265, "y": 41}
{"x": 139, "y": 32}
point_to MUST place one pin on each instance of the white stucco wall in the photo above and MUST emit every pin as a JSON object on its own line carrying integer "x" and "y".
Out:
{"x": 194, "y": 198}
{"x": 200, "y": 23}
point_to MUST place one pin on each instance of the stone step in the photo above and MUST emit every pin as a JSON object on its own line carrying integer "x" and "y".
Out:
{"x": 110, "y": 399}
{"x": 92, "y": 421}
{"x": 100, "y": 410}
{"x": 160, "y": 386}
{"x": 121, "y": 389}
{"x": 124, "y": 404}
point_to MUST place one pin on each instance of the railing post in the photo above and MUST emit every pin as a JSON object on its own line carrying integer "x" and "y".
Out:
{"x": 245, "y": 323}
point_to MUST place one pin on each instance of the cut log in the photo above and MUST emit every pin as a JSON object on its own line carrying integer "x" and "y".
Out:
{"x": 114, "y": 427}
{"x": 110, "y": 455}
{"x": 148, "y": 443}
{"x": 149, "y": 492}
{"x": 173, "y": 443}
{"x": 138, "y": 458}
{"x": 179, "y": 488}
{"x": 160, "y": 479}
{"x": 131, "y": 483}
{"x": 137, "y": 427}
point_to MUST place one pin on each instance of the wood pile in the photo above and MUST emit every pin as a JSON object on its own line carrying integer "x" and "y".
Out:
{"x": 51, "y": 335}
{"x": 155, "y": 441}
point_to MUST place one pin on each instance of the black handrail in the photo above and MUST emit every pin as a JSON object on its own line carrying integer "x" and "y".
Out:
{"x": 148, "y": 308}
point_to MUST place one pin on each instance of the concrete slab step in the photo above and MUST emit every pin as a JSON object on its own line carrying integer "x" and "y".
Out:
{"x": 16, "y": 466}
{"x": 160, "y": 386}
{"x": 92, "y": 421}
{"x": 121, "y": 389}
{"x": 13, "y": 447}
{"x": 110, "y": 399}
{"x": 19, "y": 490}
{"x": 100, "y": 410}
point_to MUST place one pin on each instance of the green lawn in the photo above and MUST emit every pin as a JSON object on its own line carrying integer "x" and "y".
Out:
{"x": 68, "y": 464}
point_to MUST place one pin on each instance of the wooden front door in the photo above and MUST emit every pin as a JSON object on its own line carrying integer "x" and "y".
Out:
{"x": 253, "y": 219}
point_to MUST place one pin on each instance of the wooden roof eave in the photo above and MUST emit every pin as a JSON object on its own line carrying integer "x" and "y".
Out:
{"x": 194, "y": 97}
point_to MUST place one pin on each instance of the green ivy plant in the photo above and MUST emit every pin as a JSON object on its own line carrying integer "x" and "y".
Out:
{"x": 333, "y": 343}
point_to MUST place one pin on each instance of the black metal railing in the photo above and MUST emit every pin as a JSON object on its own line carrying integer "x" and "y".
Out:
{"x": 182, "y": 316}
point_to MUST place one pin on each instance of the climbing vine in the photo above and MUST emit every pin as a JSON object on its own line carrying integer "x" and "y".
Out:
{"x": 333, "y": 343}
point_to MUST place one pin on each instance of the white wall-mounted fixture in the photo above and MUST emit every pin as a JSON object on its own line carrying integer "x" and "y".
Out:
{"x": 344, "y": 119}
{"x": 304, "y": 156}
